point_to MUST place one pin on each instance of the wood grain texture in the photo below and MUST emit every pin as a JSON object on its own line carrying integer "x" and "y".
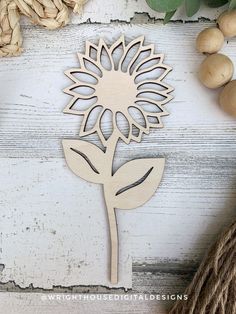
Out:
{"x": 25, "y": 303}
{"x": 131, "y": 10}
{"x": 160, "y": 279}
{"x": 194, "y": 202}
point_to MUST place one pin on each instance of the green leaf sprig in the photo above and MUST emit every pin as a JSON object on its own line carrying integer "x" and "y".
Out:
{"x": 169, "y": 7}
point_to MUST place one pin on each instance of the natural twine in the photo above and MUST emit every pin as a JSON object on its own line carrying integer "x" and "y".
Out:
{"x": 213, "y": 289}
{"x": 10, "y": 35}
{"x": 50, "y": 14}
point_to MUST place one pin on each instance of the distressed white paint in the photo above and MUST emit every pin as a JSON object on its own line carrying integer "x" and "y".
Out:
{"x": 54, "y": 229}
{"x": 107, "y": 11}
{"x": 125, "y": 10}
{"x": 49, "y": 239}
{"x": 26, "y": 303}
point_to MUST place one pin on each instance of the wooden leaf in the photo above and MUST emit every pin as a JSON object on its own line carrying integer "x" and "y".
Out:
{"x": 136, "y": 181}
{"x": 84, "y": 159}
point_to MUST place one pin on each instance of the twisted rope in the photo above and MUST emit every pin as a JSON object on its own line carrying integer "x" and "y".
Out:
{"x": 77, "y": 5}
{"x": 51, "y": 14}
{"x": 213, "y": 289}
{"x": 10, "y": 34}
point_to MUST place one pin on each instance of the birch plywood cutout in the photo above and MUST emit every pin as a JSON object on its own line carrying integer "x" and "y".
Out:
{"x": 121, "y": 86}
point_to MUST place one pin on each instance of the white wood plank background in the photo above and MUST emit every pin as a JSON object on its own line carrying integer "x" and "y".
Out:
{"x": 44, "y": 233}
{"x": 127, "y": 10}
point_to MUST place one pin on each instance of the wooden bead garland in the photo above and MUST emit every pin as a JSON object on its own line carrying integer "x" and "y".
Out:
{"x": 217, "y": 69}
{"x": 210, "y": 40}
{"x": 227, "y": 98}
{"x": 227, "y": 23}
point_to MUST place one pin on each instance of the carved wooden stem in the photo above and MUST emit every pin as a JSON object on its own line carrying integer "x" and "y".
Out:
{"x": 113, "y": 239}
{"x": 114, "y": 245}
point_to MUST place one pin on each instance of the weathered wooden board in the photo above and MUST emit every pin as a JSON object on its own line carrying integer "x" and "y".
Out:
{"x": 150, "y": 282}
{"x": 43, "y": 237}
{"x": 132, "y": 10}
{"x": 198, "y": 142}
{"x": 28, "y": 303}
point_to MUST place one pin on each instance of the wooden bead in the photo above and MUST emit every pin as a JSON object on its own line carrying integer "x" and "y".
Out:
{"x": 228, "y": 98}
{"x": 227, "y": 23}
{"x": 216, "y": 70}
{"x": 210, "y": 40}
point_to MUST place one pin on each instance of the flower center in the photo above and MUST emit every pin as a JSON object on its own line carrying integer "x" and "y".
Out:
{"x": 116, "y": 90}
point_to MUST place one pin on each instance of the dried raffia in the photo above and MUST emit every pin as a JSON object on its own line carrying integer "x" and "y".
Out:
{"x": 51, "y": 14}
{"x": 47, "y": 13}
{"x": 10, "y": 34}
{"x": 77, "y": 5}
{"x": 213, "y": 289}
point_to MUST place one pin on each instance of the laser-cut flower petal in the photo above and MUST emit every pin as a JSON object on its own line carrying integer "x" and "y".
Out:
{"x": 105, "y": 59}
{"x": 142, "y": 57}
{"x": 84, "y": 76}
{"x": 90, "y": 128}
{"x": 166, "y": 69}
{"x": 122, "y": 122}
{"x": 90, "y": 65}
{"x": 80, "y": 104}
{"x": 83, "y": 89}
{"x": 117, "y": 52}
{"x": 159, "y": 103}
{"x": 133, "y": 75}
{"x": 106, "y": 123}
{"x": 152, "y": 109}
{"x": 155, "y": 84}
{"x": 131, "y": 53}
{"x": 91, "y": 50}
{"x": 152, "y": 59}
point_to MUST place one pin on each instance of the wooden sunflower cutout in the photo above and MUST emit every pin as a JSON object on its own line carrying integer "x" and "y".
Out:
{"x": 122, "y": 87}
